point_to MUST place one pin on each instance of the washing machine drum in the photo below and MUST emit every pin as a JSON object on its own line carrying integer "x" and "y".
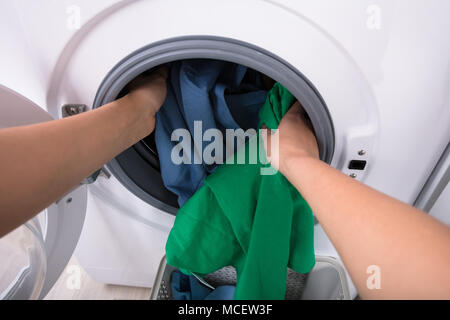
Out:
{"x": 137, "y": 168}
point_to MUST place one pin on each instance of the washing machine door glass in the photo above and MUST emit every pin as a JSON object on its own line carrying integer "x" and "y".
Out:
{"x": 34, "y": 255}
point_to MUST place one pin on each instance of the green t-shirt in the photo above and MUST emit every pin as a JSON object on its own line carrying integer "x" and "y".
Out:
{"x": 259, "y": 224}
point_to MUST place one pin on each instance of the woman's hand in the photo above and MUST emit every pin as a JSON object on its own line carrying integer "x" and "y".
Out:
{"x": 295, "y": 140}
{"x": 149, "y": 91}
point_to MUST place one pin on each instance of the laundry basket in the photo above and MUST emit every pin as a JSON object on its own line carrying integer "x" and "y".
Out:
{"x": 326, "y": 281}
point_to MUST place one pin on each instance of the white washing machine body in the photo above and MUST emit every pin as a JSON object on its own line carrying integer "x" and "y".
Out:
{"x": 381, "y": 67}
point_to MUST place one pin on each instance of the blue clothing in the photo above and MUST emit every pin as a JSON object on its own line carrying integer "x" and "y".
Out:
{"x": 221, "y": 95}
{"x": 187, "y": 287}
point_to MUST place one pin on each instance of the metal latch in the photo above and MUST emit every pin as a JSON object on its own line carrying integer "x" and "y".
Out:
{"x": 93, "y": 177}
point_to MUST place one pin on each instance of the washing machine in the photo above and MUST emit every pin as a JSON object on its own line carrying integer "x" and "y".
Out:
{"x": 374, "y": 77}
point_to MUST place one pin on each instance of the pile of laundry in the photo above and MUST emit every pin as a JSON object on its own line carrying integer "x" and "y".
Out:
{"x": 230, "y": 214}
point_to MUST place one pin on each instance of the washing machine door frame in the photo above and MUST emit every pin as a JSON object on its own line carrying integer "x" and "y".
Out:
{"x": 63, "y": 220}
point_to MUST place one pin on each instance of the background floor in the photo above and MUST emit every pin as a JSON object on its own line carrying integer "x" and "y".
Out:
{"x": 85, "y": 288}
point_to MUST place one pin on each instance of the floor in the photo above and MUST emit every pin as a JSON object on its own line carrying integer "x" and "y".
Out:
{"x": 75, "y": 284}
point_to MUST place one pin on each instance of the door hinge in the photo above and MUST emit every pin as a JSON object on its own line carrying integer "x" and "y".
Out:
{"x": 72, "y": 109}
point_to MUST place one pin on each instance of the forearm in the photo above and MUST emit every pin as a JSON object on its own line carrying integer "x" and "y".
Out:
{"x": 370, "y": 228}
{"x": 39, "y": 163}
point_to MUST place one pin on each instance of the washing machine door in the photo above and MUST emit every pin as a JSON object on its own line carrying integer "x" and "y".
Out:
{"x": 34, "y": 255}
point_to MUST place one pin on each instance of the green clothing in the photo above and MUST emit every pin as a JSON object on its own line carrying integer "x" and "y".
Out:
{"x": 257, "y": 223}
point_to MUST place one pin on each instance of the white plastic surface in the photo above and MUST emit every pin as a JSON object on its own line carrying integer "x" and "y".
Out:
{"x": 122, "y": 241}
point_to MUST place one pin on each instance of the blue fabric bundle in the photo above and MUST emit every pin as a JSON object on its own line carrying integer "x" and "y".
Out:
{"x": 187, "y": 287}
{"x": 221, "y": 95}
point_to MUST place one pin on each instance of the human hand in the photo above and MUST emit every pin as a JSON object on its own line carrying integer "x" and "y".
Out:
{"x": 150, "y": 90}
{"x": 146, "y": 94}
{"x": 294, "y": 137}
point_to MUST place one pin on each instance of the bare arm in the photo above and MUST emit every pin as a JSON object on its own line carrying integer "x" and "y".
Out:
{"x": 40, "y": 163}
{"x": 367, "y": 227}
